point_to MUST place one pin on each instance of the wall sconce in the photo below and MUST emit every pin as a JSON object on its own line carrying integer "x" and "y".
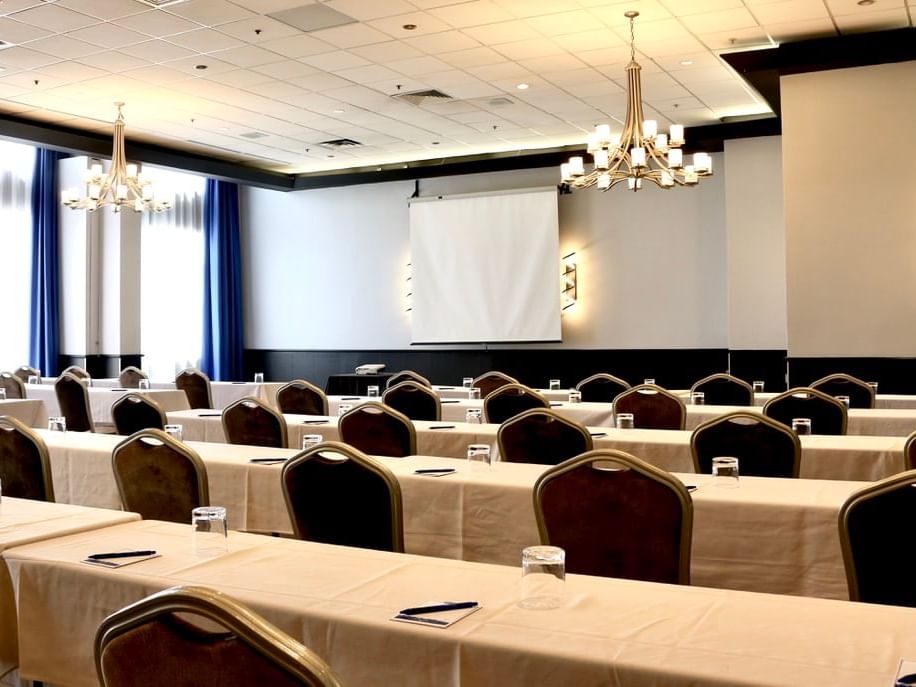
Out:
{"x": 408, "y": 297}
{"x": 568, "y": 281}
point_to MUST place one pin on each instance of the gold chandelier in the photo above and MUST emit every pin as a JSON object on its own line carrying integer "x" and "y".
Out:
{"x": 123, "y": 186}
{"x": 639, "y": 152}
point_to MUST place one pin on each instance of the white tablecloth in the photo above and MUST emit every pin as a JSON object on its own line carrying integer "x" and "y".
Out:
{"x": 32, "y": 412}
{"x": 339, "y": 602}
{"x": 462, "y": 393}
{"x": 101, "y": 399}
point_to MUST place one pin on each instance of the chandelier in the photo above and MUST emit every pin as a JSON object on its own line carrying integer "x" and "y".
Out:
{"x": 639, "y": 152}
{"x": 123, "y": 186}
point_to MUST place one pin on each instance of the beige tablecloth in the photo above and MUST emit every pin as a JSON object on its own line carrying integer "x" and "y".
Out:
{"x": 888, "y": 422}
{"x": 101, "y": 399}
{"x": 462, "y": 393}
{"x": 339, "y": 602}
{"x": 23, "y": 522}
{"x": 32, "y": 412}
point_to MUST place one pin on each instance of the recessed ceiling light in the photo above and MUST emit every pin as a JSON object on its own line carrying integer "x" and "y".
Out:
{"x": 686, "y": 63}
{"x": 865, "y": 3}
{"x": 337, "y": 111}
{"x": 409, "y": 27}
{"x": 435, "y": 143}
{"x": 200, "y": 66}
{"x": 522, "y": 87}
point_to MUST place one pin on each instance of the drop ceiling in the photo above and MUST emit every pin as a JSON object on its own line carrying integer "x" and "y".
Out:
{"x": 268, "y": 83}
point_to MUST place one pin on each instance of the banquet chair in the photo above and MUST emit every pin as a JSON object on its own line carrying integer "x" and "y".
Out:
{"x": 73, "y": 399}
{"x": 724, "y": 390}
{"x": 25, "y": 467}
{"x": 416, "y": 401}
{"x": 159, "y": 477}
{"x": 130, "y": 377}
{"x": 253, "y": 423}
{"x": 378, "y": 430}
{"x": 196, "y": 386}
{"x": 616, "y": 516}
{"x": 763, "y": 446}
{"x": 407, "y": 376}
{"x": 302, "y": 398}
{"x": 12, "y": 385}
{"x": 861, "y": 395}
{"x": 601, "y": 388}
{"x": 510, "y": 400}
{"x": 541, "y": 436}
{"x": 909, "y": 452}
{"x": 489, "y": 382}
{"x": 78, "y": 372}
{"x": 189, "y": 636}
{"x": 652, "y": 407}
{"x": 133, "y": 412}
{"x": 878, "y": 551}
{"x": 336, "y": 494}
{"x": 26, "y": 371}
{"x": 828, "y": 415}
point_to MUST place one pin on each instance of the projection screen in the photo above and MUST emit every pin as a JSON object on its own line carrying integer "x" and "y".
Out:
{"x": 485, "y": 268}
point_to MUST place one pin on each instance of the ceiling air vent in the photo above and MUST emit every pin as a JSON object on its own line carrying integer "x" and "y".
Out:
{"x": 160, "y": 3}
{"x": 253, "y": 135}
{"x": 340, "y": 143}
{"x": 418, "y": 97}
{"x": 4, "y": 44}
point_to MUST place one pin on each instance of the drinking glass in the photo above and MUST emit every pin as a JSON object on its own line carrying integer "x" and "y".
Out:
{"x": 466, "y": 382}
{"x": 554, "y": 384}
{"x": 479, "y": 457}
{"x": 473, "y": 416}
{"x": 175, "y": 431}
{"x": 208, "y": 530}
{"x": 309, "y": 440}
{"x": 698, "y": 398}
{"x": 801, "y": 425}
{"x": 844, "y": 400}
{"x": 2, "y": 394}
{"x": 758, "y": 386}
{"x": 649, "y": 380}
{"x": 143, "y": 384}
{"x": 34, "y": 379}
{"x": 575, "y": 396}
{"x": 372, "y": 391}
{"x": 725, "y": 471}
{"x": 343, "y": 408}
{"x": 543, "y": 577}
{"x": 473, "y": 394}
{"x": 624, "y": 420}
{"x": 57, "y": 424}
{"x": 258, "y": 377}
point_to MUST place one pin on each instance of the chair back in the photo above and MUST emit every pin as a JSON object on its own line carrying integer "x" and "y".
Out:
{"x": 861, "y": 395}
{"x": 407, "y": 376}
{"x": 909, "y": 452}
{"x": 489, "y": 382}
{"x": 763, "y": 446}
{"x": 724, "y": 390}
{"x": 542, "y": 436}
{"x": 12, "y": 385}
{"x": 601, "y": 388}
{"x": 378, "y": 430}
{"x": 78, "y": 372}
{"x": 196, "y": 386}
{"x": 616, "y": 516}
{"x": 510, "y": 400}
{"x": 130, "y": 377}
{"x": 133, "y": 412}
{"x": 73, "y": 399}
{"x": 415, "y": 400}
{"x": 300, "y": 397}
{"x": 156, "y": 641}
{"x": 159, "y": 477}
{"x": 336, "y": 494}
{"x": 878, "y": 551}
{"x": 652, "y": 406}
{"x": 253, "y": 423}
{"x": 828, "y": 415}
{"x": 25, "y": 468}
{"x": 26, "y": 371}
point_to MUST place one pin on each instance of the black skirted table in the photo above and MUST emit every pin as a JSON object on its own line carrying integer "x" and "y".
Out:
{"x": 355, "y": 385}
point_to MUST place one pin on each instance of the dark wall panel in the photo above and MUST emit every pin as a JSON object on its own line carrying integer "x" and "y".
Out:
{"x": 894, "y": 375}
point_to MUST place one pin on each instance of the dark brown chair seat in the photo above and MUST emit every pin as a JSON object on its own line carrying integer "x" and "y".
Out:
{"x": 168, "y": 639}
{"x": 415, "y": 400}
{"x": 860, "y": 394}
{"x": 616, "y": 516}
{"x": 377, "y": 430}
{"x": 652, "y": 406}
{"x": 601, "y": 388}
{"x": 25, "y": 468}
{"x": 130, "y": 377}
{"x": 541, "y": 436}
{"x": 196, "y": 386}
{"x": 336, "y": 494}
{"x": 407, "y": 376}
{"x": 763, "y": 446}
{"x": 302, "y": 398}
{"x": 509, "y": 400}
{"x": 133, "y": 412}
{"x": 828, "y": 415}
{"x": 12, "y": 385}
{"x": 489, "y": 382}
{"x": 724, "y": 390}
{"x": 73, "y": 399}
{"x": 250, "y": 422}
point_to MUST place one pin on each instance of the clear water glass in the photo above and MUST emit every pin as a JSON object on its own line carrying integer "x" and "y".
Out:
{"x": 725, "y": 471}
{"x": 554, "y": 384}
{"x": 575, "y": 396}
{"x": 473, "y": 394}
{"x": 698, "y": 398}
{"x": 543, "y": 578}
{"x": 372, "y": 391}
{"x": 801, "y": 425}
{"x": 57, "y": 423}
{"x": 466, "y": 382}
{"x": 844, "y": 400}
{"x": 258, "y": 377}
{"x": 34, "y": 379}
{"x": 175, "y": 431}
{"x": 473, "y": 416}
{"x": 624, "y": 420}
{"x": 143, "y": 384}
{"x": 343, "y": 408}
{"x": 309, "y": 440}
{"x": 208, "y": 531}
{"x": 479, "y": 457}
{"x": 758, "y": 386}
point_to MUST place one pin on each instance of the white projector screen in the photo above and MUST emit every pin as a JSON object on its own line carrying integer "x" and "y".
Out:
{"x": 485, "y": 268}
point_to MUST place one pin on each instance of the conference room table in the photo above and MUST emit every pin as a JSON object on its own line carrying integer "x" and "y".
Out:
{"x": 462, "y": 392}
{"x": 882, "y": 401}
{"x": 221, "y": 393}
{"x": 22, "y": 522}
{"x": 32, "y": 412}
{"x": 340, "y": 603}
{"x": 746, "y": 538}
{"x": 101, "y": 398}
{"x": 855, "y": 458}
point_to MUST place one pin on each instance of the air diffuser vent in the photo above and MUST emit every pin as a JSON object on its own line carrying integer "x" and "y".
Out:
{"x": 253, "y": 135}
{"x": 340, "y": 143}
{"x": 418, "y": 97}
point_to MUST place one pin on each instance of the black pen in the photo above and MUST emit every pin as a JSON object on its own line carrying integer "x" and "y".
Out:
{"x": 433, "y": 471}
{"x": 450, "y": 400}
{"x": 349, "y": 398}
{"x": 599, "y": 434}
{"x": 267, "y": 461}
{"x": 443, "y": 427}
{"x": 210, "y": 415}
{"x": 314, "y": 422}
{"x": 439, "y": 608}
{"x": 119, "y": 554}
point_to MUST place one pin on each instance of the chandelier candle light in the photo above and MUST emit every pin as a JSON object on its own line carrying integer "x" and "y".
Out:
{"x": 639, "y": 152}
{"x": 123, "y": 186}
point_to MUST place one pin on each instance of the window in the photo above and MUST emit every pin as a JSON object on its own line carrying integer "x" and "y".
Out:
{"x": 172, "y": 276}
{"x": 16, "y": 164}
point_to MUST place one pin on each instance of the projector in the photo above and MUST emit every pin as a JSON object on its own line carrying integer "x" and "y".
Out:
{"x": 370, "y": 369}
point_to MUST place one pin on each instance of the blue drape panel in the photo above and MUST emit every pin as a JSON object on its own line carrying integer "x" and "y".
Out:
{"x": 44, "y": 326}
{"x": 223, "y": 326}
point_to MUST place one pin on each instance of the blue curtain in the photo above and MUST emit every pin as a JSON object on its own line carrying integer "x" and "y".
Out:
{"x": 44, "y": 340}
{"x": 223, "y": 326}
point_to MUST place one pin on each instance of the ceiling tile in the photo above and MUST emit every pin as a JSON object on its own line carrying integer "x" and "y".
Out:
{"x": 205, "y": 40}
{"x": 23, "y": 58}
{"x": 533, "y": 8}
{"x": 319, "y": 81}
{"x": 418, "y": 66}
{"x": 334, "y": 61}
{"x": 720, "y": 21}
{"x": 563, "y": 23}
{"x": 191, "y": 65}
{"x": 156, "y": 24}
{"x": 854, "y": 23}
{"x": 387, "y": 51}
{"x": 521, "y": 50}
{"x": 801, "y": 30}
{"x": 789, "y": 11}
{"x": 54, "y": 18}
{"x": 158, "y": 51}
{"x": 473, "y": 13}
{"x": 297, "y": 46}
{"x": 16, "y": 32}
{"x": 613, "y": 14}
{"x": 503, "y": 32}
{"x": 423, "y": 22}
{"x": 113, "y": 61}
{"x": 286, "y": 69}
{"x": 157, "y": 74}
{"x": 63, "y": 47}
{"x": 72, "y": 71}
{"x": 365, "y": 11}
{"x": 211, "y": 12}
{"x": 368, "y": 74}
{"x": 589, "y": 40}
{"x": 447, "y": 41}
{"x": 351, "y": 35}
{"x": 682, "y": 8}
{"x": 242, "y": 78}
{"x": 259, "y": 29}
{"x": 473, "y": 57}
{"x": 246, "y": 56}
{"x": 107, "y": 36}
